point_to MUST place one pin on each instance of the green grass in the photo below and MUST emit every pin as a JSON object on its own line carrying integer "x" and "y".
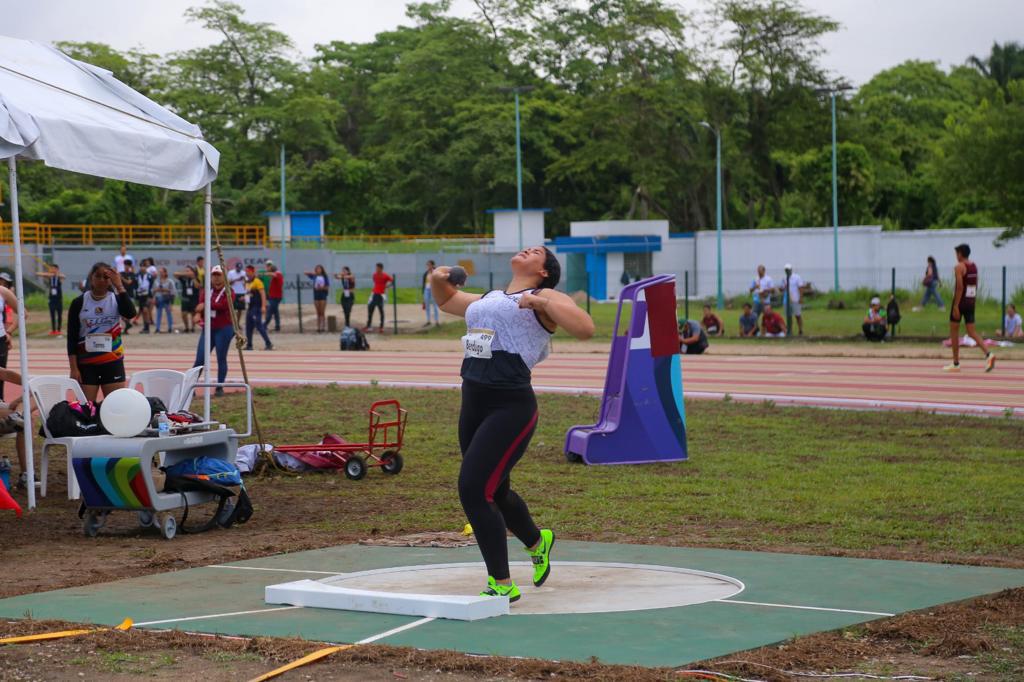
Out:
{"x": 759, "y": 476}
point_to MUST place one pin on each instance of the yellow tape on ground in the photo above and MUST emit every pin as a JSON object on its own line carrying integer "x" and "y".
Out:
{"x": 125, "y": 624}
{"x": 315, "y": 656}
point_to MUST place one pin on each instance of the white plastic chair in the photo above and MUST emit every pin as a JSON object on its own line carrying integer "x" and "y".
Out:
{"x": 191, "y": 378}
{"x": 47, "y": 391}
{"x": 165, "y": 384}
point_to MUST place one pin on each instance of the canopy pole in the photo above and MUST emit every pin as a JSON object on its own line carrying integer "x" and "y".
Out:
{"x": 207, "y": 329}
{"x": 19, "y": 290}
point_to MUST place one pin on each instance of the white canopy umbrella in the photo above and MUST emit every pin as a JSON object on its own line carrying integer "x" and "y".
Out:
{"x": 78, "y": 117}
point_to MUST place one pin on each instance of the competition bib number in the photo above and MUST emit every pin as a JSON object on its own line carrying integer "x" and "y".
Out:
{"x": 53, "y": 291}
{"x": 477, "y": 343}
{"x": 99, "y": 343}
{"x": 971, "y": 291}
{"x": 188, "y": 291}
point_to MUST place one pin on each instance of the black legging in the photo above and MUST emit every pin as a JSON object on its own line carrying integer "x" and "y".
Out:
{"x": 495, "y": 426}
{"x": 346, "y": 307}
{"x": 376, "y": 301}
{"x": 56, "y": 313}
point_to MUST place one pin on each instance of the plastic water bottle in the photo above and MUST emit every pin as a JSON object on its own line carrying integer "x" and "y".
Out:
{"x": 5, "y": 472}
{"x": 163, "y": 425}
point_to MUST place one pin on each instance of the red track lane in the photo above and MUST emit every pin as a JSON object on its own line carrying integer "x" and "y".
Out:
{"x": 875, "y": 383}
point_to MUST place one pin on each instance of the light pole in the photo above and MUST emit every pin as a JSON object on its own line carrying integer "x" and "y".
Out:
{"x": 831, "y": 92}
{"x": 718, "y": 205}
{"x": 519, "y": 159}
{"x": 284, "y": 244}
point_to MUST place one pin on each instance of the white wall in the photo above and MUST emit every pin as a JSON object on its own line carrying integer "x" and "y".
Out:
{"x": 609, "y": 228}
{"x": 866, "y": 256}
{"x": 506, "y": 230}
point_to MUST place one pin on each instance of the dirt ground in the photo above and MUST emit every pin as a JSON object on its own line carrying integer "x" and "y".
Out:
{"x": 976, "y": 639}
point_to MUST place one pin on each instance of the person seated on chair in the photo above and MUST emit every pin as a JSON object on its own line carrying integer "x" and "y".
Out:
{"x": 712, "y": 323}
{"x": 875, "y": 325}
{"x": 772, "y": 324}
{"x": 692, "y": 338}
{"x": 1012, "y": 328}
{"x": 748, "y": 321}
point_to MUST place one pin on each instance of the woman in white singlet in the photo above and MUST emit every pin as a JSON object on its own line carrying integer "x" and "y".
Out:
{"x": 95, "y": 341}
{"x": 509, "y": 332}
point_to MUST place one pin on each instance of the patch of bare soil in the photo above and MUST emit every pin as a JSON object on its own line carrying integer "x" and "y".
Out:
{"x": 48, "y": 551}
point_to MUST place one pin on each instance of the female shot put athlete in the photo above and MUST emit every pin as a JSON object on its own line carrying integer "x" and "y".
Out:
{"x": 95, "y": 345}
{"x": 508, "y": 333}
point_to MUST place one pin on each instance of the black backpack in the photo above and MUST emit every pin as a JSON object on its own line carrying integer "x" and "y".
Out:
{"x": 226, "y": 515}
{"x": 892, "y": 312}
{"x": 74, "y": 420}
{"x": 353, "y": 339}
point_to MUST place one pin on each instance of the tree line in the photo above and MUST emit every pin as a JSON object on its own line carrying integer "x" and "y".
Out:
{"x": 414, "y": 131}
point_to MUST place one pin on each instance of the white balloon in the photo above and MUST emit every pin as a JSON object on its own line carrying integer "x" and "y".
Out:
{"x": 125, "y": 413}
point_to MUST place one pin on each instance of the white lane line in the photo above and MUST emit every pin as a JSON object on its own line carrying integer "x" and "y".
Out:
{"x": 395, "y": 631}
{"x": 216, "y": 615}
{"x": 278, "y": 570}
{"x": 805, "y": 608}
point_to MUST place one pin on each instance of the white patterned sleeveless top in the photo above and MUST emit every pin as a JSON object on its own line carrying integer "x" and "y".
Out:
{"x": 503, "y": 341}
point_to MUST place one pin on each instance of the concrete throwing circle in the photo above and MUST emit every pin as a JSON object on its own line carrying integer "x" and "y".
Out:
{"x": 572, "y": 587}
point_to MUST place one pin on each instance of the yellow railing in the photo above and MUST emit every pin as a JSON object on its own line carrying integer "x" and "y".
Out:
{"x": 403, "y": 237}
{"x": 87, "y": 235}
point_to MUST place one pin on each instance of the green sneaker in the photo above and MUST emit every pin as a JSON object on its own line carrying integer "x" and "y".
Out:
{"x": 496, "y": 590}
{"x": 541, "y": 557}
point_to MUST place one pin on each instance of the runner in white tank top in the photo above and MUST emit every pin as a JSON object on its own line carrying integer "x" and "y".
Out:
{"x": 508, "y": 333}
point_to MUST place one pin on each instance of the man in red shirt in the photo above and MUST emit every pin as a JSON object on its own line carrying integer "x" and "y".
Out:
{"x": 772, "y": 323}
{"x": 381, "y": 280}
{"x": 275, "y": 292}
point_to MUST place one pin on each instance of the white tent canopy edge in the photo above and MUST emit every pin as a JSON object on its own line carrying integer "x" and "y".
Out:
{"x": 77, "y": 117}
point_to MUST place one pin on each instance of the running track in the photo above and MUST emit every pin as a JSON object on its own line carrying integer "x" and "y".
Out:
{"x": 857, "y": 383}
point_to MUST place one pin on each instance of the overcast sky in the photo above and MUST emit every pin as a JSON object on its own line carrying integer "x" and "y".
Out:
{"x": 876, "y": 34}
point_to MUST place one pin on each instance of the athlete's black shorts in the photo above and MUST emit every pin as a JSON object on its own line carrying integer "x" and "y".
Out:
{"x": 101, "y": 375}
{"x": 966, "y": 314}
{"x": 143, "y": 301}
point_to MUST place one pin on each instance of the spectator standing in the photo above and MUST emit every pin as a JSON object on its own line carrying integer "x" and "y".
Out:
{"x": 188, "y": 285}
{"x": 95, "y": 346}
{"x": 275, "y": 294}
{"x": 964, "y": 296}
{"x": 130, "y": 279}
{"x": 8, "y": 320}
{"x": 772, "y": 324}
{"x": 236, "y": 280}
{"x": 144, "y": 291}
{"x": 321, "y": 289}
{"x": 257, "y": 308}
{"x": 164, "y": 293}
{"x": 692, "y": 339}
{"x": 748, "y": 322}
{"x": 120, "y": 258}
{"x": 54, "y": 279}
{"x": 1012, "y": 328}
{"x": 201, "y": 270}
{"x": 221, "y": 328}
{"x": 712, "y": 323}
{"x": 428, "y": 297}
{"x": 931, "y": 284}
{"x": 348, "y": 292}
{"x": 794, "y": 296}
{"x": 761, "y": 288}
{"x": 381, "y": 280}
{"x": 875, "y": 324}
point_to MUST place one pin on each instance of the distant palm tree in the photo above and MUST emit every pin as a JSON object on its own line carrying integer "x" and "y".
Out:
{"x": 1004, "y": 63}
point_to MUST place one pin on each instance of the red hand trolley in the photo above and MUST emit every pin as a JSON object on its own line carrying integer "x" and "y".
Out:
{"x": 385, "y": 436}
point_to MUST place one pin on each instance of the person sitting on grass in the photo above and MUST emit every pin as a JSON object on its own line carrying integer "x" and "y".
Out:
{"x": 875, "y": 325}
{"x": 1012, "y": 328}
{"x": 772, "y": 324}
{"x": 712, "y": 323}
{"x": 748, "y": 322}
{"x": 692, "y": 339}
